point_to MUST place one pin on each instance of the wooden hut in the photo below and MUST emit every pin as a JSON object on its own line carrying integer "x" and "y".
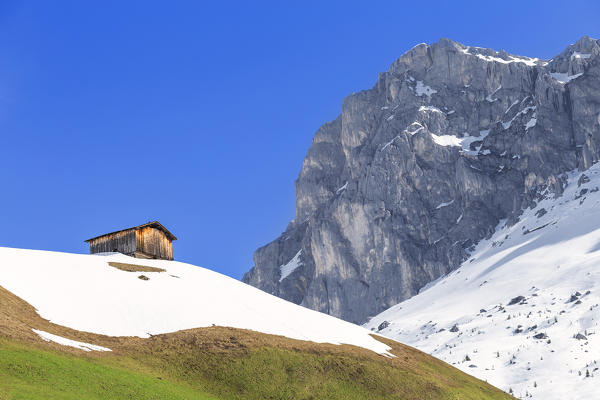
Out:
{"x": 151, "y": 240}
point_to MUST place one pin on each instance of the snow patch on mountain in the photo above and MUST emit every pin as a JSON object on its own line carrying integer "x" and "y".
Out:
{"x": 342, "y": 188}
{"x": 531, "y": 123}
{"x": 295, "y": 262}
{"x": 423, "y": 90}
{"x": 508, "y": 60}
{"x": 489, "y": 98}
{"x": 445, "y": 204}
{"x": 464, "y": 142}
{"x": 48, "y": 337}
{"x": 523, "y": 311}
{"x": 430, "y": 109}
{"x": 564, "y": 77}
{"x": 577, "y": 54}
{"x": 524, "y": 111}
{"x": 413, "y": 128}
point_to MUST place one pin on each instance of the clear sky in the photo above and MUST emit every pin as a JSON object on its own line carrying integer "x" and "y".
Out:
{"x": 198, "y": 114}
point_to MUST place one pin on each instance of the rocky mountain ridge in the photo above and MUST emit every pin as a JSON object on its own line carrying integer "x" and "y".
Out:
{"x": 397, "y": 190}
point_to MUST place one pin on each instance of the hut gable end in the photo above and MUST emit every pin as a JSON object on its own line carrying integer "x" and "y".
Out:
{"x": 151, "y": 240}
{"x": 155, "y": 242}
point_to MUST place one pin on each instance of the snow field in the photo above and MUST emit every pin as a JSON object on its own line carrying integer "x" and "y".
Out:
{"x": 83, "y": 292}
{"x": 550, "y": 257}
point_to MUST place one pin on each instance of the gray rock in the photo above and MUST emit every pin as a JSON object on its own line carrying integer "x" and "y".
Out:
{"x": 383, "y": 325}
{"x": 579, "y": 336}
{"x": 384, "y": 204}
{"x": 573, "y": 298}
{"x": 582, "y": 180}
{"x": 516, "y": 300}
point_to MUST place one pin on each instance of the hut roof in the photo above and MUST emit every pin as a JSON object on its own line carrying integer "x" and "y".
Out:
{"x": 153, "y": 224}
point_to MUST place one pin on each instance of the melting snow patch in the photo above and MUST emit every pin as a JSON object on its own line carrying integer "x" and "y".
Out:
{"x": 424, "y": 90}
{"x": 564, "y": 77}
{"x": 531, "y": 123}
{"x": 511, "y": 59}
{"x": 413, "y": 128}
{"x": 48, "y": 337}
{"x": 390, "y": 142}
{"x": 417, "y": 45}
{"x": 580, "y": 55}
{"x": 464, "y": 142}
{"x": 442, "y": 205}
{"x": 511, "y": 106}
{"x": 489, "y": 96}
{"x": 430, "y": 108}
{"x": 446, "y": 140}
{"x": 524, "y": 111}
{"x": 291, "y": 266}
{"x": 343, "y": 187}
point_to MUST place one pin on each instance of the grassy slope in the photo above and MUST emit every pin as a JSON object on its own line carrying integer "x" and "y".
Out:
{"x": 31, "y": 373}
{"x": 239, "y": 364}
{"x": 223, "y": 362}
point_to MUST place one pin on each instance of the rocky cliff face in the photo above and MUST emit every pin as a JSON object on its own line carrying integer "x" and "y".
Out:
{"x": 451, "y": 139}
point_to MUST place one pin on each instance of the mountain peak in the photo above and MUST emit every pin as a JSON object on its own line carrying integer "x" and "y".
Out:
{"x": 420, "y": 168}
{"x": 586, "y": 42}
{"x": 449, "y": 43}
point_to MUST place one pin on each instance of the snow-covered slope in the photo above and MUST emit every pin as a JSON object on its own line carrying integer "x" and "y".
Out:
{"x": 512, "y": 313}
{"x": 84, "y": 293}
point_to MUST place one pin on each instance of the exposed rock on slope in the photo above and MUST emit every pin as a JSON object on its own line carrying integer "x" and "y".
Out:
{"x": 421, "y": 167}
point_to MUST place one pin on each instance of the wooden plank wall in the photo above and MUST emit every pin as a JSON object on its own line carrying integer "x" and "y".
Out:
{"x": 154, "y": 242}
{"x": 123, "y": 242}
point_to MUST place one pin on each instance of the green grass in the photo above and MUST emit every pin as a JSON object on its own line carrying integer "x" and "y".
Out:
{"x": 231, "y": 365}
{"x": 215, "y": 363}
{"x": 30, "y": 374}
{"x": 267, "y": 372}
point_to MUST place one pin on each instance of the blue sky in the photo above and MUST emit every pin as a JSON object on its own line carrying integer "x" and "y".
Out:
{"x": 199, "y": 114}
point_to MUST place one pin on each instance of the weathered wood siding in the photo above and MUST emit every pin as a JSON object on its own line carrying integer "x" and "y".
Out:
{"x": 122, "y": 242}
{"x": 154, "y": 243}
